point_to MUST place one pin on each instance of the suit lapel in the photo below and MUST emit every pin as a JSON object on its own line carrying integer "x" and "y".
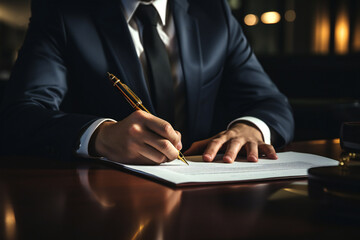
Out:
{"x": 123, "y": 60}
{"x": 189, "y": 50}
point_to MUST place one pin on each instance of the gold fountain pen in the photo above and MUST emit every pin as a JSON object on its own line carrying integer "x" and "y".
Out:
{"x": 134, "y": 101}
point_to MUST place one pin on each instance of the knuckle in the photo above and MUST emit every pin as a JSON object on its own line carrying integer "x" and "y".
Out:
{"x": 252, "y": 143}
{"x": 134, "y": 130}
{"x": 217, "y": 141}
{"x": 167, "y": 128}
{"x": 231, "y": 132}
{"x": 236, "y": 141}
{"x": 165, "y": 146}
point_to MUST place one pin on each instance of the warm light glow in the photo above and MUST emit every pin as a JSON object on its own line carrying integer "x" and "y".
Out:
{"x": 356, "y": 41}
{"x": 302, "y": 192}
{"x": 270, "y": 17}
{"x": 101, "y": 198}
{"x": 342, "y": 33}
{"x": 323, "y": 142}
{"x": 10, "y": 222}
{"x": 321, "y": 42}
{"x": 290, "y": 15}
{"x": 356, "y": 38}
{"x": 251, "y": 20}
{"x": 14, "y": 15}
{"x": 140, "y": 229}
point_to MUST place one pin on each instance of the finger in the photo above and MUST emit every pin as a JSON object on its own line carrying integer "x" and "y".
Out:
{"x": 179, "y": 145}
{"x": 268, "y": 150}
{"x": 252, "y": 151}
{"x": 213, "y": 147}
{"x": 162, "y": 145}
{"x": 197, "y": 147}
{"x": 232, "y": 150}
{"x": 163, "y": 128}
{"x": 152, "y": 154}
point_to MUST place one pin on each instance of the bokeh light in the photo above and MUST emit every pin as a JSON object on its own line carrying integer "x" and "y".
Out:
{"x": 251, "y": 20}
{"x": 270, "y": 17}
{"x": 290, "y": 15}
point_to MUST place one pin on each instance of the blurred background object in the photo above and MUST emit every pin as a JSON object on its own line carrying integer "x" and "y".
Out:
{"x": 14, "y": 18}
{"x": 310, "y": 49}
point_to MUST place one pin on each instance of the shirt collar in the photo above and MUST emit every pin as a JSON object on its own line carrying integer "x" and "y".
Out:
{"x": 130, "y": 6}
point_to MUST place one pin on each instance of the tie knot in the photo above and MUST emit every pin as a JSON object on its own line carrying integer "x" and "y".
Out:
{"x": 147, "y": 14}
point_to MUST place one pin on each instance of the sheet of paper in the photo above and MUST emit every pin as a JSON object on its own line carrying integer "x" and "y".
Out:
{"x": 288, "y": 165}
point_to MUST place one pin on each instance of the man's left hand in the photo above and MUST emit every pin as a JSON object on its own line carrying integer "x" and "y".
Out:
{"x": 242, "y": 137}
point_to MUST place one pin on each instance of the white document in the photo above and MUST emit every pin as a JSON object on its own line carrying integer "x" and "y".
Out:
{"x": 288, "y": 165}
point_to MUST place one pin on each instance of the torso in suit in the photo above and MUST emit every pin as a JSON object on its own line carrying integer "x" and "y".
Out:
{"x": 59, "y": 85}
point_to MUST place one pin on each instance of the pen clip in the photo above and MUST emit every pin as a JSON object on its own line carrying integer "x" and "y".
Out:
{"x": 133, "y": 100}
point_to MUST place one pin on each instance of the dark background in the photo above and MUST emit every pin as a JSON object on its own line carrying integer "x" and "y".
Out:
{"x": 313, "y": 55}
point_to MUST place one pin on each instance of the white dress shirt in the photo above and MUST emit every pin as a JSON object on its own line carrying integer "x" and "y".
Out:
{"x": 166, "y": 30}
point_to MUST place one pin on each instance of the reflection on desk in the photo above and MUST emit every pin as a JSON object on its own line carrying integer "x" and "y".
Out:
{"x": 89, "y": 200}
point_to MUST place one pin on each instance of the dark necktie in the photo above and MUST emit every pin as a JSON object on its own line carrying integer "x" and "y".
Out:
{"x": 159, "y": 70}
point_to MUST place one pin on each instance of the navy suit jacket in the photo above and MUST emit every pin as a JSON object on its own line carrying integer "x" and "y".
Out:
{"x": 59, "y": 85}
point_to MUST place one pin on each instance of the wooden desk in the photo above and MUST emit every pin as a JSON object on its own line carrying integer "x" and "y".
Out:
{"x": 41, "y": 199}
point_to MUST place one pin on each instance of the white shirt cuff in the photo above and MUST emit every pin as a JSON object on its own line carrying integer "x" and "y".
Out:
{"x": 83, "y": 151}
{"x": 264, "y": 129}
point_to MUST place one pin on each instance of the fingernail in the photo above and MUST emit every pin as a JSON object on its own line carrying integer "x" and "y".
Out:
{"x": 252, "y": 158}
{"x": 207, "y": 158}
{"x": 227, "y": 159}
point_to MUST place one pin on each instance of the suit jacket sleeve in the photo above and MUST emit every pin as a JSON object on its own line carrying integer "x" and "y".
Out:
{"x": 31, "y": 120}
{"x": 246, "y": 89}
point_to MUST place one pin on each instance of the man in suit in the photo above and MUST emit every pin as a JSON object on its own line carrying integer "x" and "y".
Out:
{"x": 60, "y": 104}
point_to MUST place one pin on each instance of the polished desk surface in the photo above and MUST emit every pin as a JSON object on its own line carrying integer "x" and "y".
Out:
{"x": 42, "y": 199}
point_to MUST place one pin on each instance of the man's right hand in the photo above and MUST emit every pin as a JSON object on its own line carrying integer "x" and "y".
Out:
{"x": 141, "y": 138}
